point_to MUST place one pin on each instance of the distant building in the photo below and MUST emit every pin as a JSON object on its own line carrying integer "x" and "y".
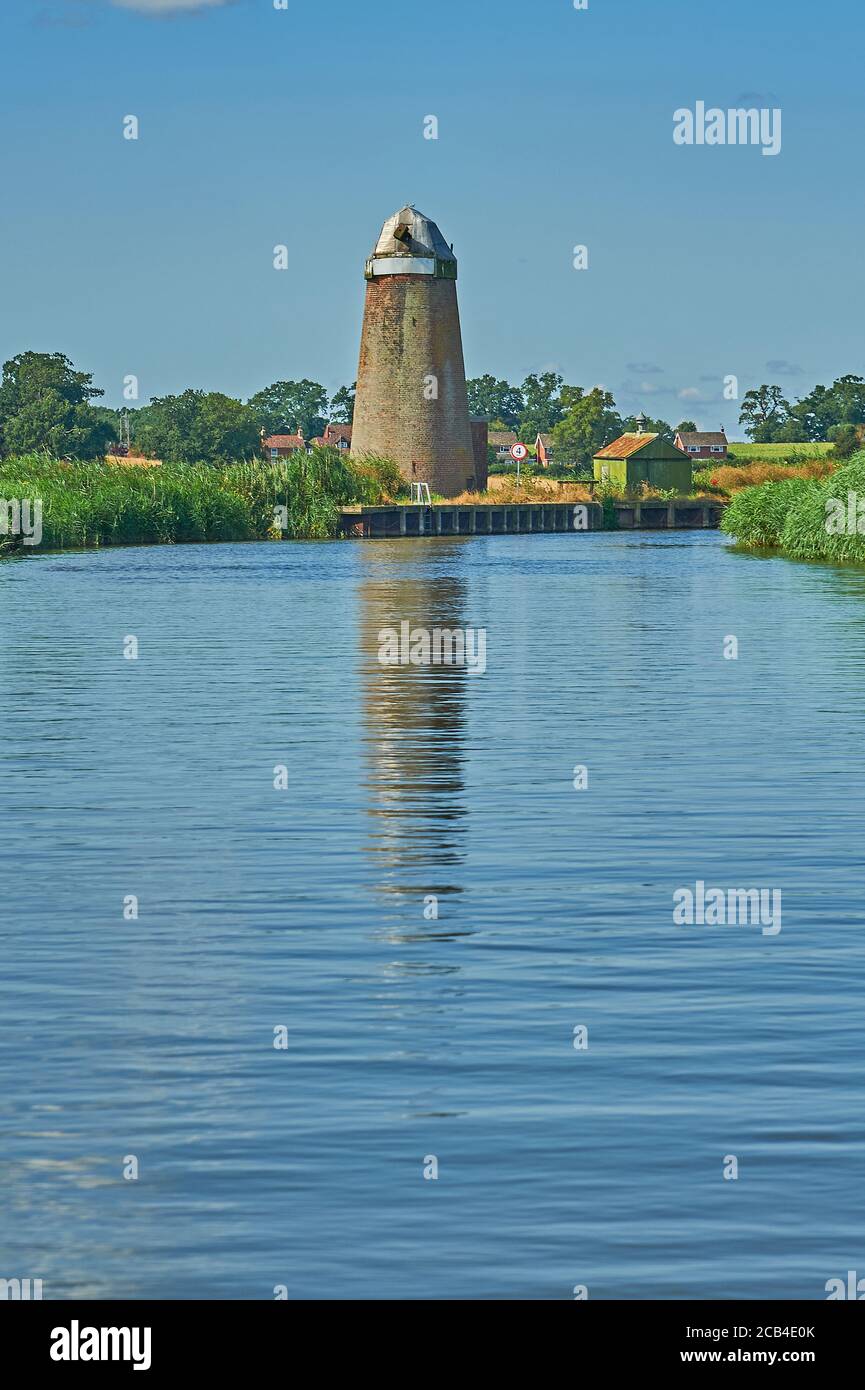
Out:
{"x": 337, "y": 436}
{"x": 502, "y": 440}
{"x": 703, "y": 444}
{"x": 643, "y": 458}
{"x": 544, "y": 450}
{"x": 280, "y": 446}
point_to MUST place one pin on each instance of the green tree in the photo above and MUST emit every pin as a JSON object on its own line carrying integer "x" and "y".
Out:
{"x": 590, "y": 421}
{"x": 684, "y": 425}
{"x": 289, "y": 406}
{"x": 197, "y": 426}
{"x": 842, "y": 403}
{"x": 342, "y": 405}
{"x": 542, "y": 407}
{"x": 497, "y": 400}
{"x": 45, "y": 407}
{"x": 763, "y": 413}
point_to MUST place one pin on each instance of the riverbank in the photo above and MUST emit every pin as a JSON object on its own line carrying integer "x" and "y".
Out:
{"x": 806, "y": 518}
{"x": 85, "y": 505}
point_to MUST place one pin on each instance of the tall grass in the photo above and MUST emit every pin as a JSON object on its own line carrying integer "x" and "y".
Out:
{"x": 791, "y": 515}
{"x": 725, "y": 479}
{"x": 96, "y": 504}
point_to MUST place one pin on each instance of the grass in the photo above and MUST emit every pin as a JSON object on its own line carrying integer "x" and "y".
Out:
{"x": 97, "y": 504}
{"x": 779, "y": 453}
{"x": 726, "y": 479}
{"x": 791, "y": 515}
{"x": 525, "y": 491}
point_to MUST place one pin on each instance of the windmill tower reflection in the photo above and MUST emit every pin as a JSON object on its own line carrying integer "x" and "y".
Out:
{"x": 414, "y": 722}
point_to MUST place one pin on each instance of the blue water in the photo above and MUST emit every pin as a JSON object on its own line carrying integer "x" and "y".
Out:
{"x": 408, "y": 1036}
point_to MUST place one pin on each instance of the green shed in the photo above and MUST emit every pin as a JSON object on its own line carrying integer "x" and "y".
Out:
{"x": 643, "y": 458}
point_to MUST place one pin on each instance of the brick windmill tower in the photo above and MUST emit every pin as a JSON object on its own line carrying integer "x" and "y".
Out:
{"x": 411, "y": 401}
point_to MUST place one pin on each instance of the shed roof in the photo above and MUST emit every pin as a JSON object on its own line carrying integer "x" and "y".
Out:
{"x": 624, "y": 446}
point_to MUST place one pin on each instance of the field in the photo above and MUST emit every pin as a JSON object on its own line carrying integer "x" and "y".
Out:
{"x": 776, "y": 453}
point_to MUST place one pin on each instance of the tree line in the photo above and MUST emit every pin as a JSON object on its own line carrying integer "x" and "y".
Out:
{"x": 47, "y": 406}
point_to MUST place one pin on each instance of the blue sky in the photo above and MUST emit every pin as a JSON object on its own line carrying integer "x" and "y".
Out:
{"x": 304, "y": 126}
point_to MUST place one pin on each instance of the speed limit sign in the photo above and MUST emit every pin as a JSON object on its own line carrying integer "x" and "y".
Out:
{"x": 519, "y": 452}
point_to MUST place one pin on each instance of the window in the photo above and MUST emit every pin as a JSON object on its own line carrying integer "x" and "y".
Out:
{"x": 717, "y": 448}
{"x": 693, "y": 448}
{"x": 274, "y": 453}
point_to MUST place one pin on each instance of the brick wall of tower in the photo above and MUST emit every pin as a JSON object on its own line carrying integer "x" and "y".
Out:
{"x": 411, "y": 403}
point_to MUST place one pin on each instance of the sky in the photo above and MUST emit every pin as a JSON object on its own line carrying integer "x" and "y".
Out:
{"x": 303, "y": 126}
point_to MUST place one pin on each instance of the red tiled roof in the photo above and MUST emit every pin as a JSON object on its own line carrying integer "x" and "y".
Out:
{"x": 338, "y": 432}
{"x": 624, "y": 446}
{"x": 284, "y": 441}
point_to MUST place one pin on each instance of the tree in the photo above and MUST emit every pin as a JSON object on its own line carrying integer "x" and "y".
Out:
{"x": 683, "y": 426}
{"x": 45, "y": 407}
{"x": 542, "y": 408}
{"x": 842, "y": 403}
{"x": 342, "y": 405}
{"x": 659, "y": 427}
{"x": 590, "y": 421}
{"x": 763, "y": 412}
{"x": 287, "y": 407}
{"x": 497, "y": 400}
{"x": 197, "y": 426}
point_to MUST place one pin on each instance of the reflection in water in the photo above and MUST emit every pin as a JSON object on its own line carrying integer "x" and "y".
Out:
{"x": 414, "y": 721}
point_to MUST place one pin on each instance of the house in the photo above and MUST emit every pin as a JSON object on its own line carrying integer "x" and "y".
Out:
{"x": 337, "y": 436}
{"x": 502, "y": 440}
{"x": 279, "y": 446}
{"x": 544, "y": 450}
{"x": 643, "y": 458}
{"x": 703, "y": 444}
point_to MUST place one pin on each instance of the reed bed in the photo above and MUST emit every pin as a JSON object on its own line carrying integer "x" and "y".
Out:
{"x": 793, "y": 515}
{"x": 97, "y": 504}
{"x": 727, "y": 479}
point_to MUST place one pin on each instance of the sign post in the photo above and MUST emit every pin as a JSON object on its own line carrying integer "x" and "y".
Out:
{"x": 519, "y": 452}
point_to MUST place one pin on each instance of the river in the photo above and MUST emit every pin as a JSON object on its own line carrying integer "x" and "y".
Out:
{"x": 373, "y": 970}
